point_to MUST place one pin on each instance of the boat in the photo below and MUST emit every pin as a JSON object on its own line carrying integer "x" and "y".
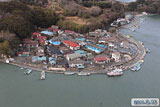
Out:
{"x": 43, "y": 75}
{"x": 148, "y": 51}
{"x": 27, "y": 72}
{"x": 7, "y": 61}
{"x": 115, "y": 72}
{"x": 21, "y": 68}
{"x": 69, "y": 73}
{"x": 136, "y": 68}
{"x": 83, "y": 74}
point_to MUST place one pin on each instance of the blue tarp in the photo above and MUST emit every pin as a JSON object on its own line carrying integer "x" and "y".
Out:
{"x": 80, "y": 67}
{"x": 102, "y": 46}
{"x": 54, "y": 42}
{"x": 82, "y": 52}
{"x": 51, "y": 60}
{"x": 97, "y": 50}
{"x": 46, "y": 32}
{"x": 81, "y": 39}
{"x": 37, "y": 58}
{"x": 43, "y": 58}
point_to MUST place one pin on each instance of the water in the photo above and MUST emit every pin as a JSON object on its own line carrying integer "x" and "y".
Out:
{"x": 17, "y": 90}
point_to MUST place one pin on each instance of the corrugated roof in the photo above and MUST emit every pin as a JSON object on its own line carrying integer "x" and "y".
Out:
{"x": 101, "y": 58}
{"x": 72, "y": 44}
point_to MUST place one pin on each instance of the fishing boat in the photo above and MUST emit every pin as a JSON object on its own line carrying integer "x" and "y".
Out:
{"x": 69, "y": 73}
{"x": 148, "y": 51}
{"x": 83, "y": 74}
{"x": 136, "y": 68}
{"x": 27, "y": 72}
{"x": 116, "y": 72}
{"x": 7, "y": 61}
{"x": 43, "y": 75}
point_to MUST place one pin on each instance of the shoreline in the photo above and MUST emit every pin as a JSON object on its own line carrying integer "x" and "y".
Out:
{"x": 140, "y": 56}
{"x": 141, "y": 52}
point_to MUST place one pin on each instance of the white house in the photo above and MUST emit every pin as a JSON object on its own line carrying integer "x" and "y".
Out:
{"x": 116, "y": 56}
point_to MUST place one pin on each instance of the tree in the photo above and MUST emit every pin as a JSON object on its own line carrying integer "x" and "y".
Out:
{"x": 5, "y": 48}
{"x": 16, "y": 24}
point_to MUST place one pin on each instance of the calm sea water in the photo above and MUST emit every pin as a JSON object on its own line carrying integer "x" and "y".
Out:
{"x": 17, "y": 90}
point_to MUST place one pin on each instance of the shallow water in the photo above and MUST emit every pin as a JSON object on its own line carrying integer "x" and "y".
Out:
{"x": 17, "y": 90}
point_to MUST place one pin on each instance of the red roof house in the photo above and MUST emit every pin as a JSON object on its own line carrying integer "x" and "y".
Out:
{"x": 71, "y": 45}
{"x": 101, "y": 59}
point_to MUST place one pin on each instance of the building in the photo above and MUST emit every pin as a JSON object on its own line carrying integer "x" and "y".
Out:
{"x": 76, "y": 64}
{"x": 30, "y": 43}
{"x": 40, "y": 51}
{"x": 101, "y": 59}
{"x": 53, "y": 51}
{"x": 48, "y": 33}
{"x": 116, "y": 56}
{"x": 94, "y": 48}
{"x": 24, "y": 54}
{"x": 73, "y": 56}
{"x": 69, "y": 32}
{"x": 71, "y": 45}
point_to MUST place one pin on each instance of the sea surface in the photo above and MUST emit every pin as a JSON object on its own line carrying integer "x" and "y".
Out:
{"x": 17, "y": 90}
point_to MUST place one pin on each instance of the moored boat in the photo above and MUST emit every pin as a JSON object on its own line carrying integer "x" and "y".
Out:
{"x": 43, "y": 75}
{"x": 7, "y": 61}
{"x": 136, "y": 68}
{"x": 69, "y": 73}
{"x": 27, "y": 72}
{"x": 83, "y": 74}
{"x": 116, "y": 72}
{"x": 147, "y": 50}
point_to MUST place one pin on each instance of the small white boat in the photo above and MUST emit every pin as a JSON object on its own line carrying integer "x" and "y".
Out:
{"x": 43, "y": 75}
{"x": 21, "y": 68}
{"x": 83, "y": 74}
{"x": 116, "y": 72}
{"x": 7, "y": 61}
{"x": 69, "y": 73}
{"x": 27, "y": 72}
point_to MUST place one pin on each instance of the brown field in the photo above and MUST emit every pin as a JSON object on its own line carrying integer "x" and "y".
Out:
{"x": 77, "y": 20}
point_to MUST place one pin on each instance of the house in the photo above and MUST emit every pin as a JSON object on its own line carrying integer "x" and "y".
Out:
{"x": 76, "y": 64}
{"x": 62, "y": 62}
{"x": 53, "y": 51}
{"x": 103, "y": 40}
{"x": 35, "y": 35}
{"x": 30, "y": 43}
{"x": 46, "y": 32}
{"x": 116, "y": 56}
{"x": 71, "y": 45}
{"x": 40, "y": 51}
{"x": 54, "y": 27}
{"x": 73, "y": 56}
{"x": 82, "y": 52}
{"x": 101, "y": 59}
{"x": 111, "y": 46}
{"x": 64, "y": 50}
{"x": 51, "y": 60}
{"x": 69, "y": 32}
{"x": 94, "y": 48}
{"x": 24, "y": 54}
